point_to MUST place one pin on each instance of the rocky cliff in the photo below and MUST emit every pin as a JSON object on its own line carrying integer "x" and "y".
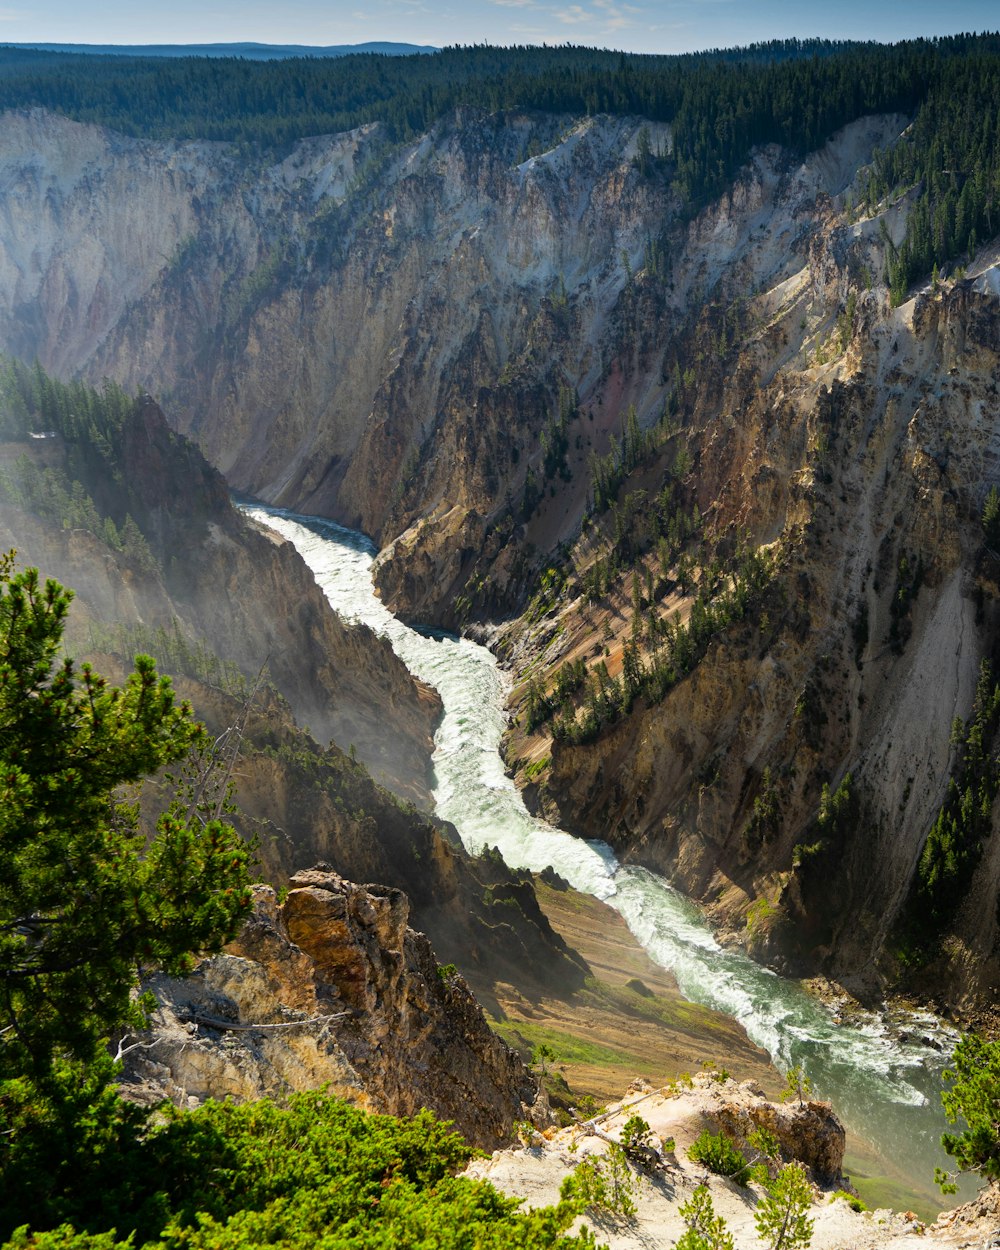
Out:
{"x": 331, "y": 987}
{"x": 663, "y": 1183}
{"x": 856, "y": 448}
{"x": 299, "y": 803}
{"x": 225, "y": 585}
{"x": 369, "y": 334}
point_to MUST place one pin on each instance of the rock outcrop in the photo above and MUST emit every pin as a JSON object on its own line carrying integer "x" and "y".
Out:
{"x": 299, "y": 803}
{"x": 332, "y": 986}
{"x": 536, "y": 1169}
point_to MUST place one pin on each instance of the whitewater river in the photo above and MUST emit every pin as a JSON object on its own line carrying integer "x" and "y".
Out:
{"x": 886, "y": 1090}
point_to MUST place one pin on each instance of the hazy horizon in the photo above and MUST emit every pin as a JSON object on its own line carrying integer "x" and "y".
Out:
{"x": 640, "y": 26}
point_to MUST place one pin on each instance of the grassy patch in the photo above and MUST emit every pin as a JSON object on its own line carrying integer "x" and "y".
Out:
{"x": 560, "y": 900}
{"x": 676, "y": 1013}
{"x": 524, "y": 1036}
{"x": 878, "y": 1191}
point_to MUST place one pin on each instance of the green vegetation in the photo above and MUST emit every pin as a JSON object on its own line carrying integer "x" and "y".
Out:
{"x": 852, "y": 1200}
{"x": 719, "y": 104}
{"x": 84, "y": 426}
{"x": 705, "y": 1229}
{"x": 174, "y": 653}
{"x": 82, "y": 904}
{"x": 954, "y": 843}
{"x": 48, "y": 494}
{"x": 608, "y": 472}
{"x": 973, "y": 1095}
{"x": 636, "y": 1133}
{"x": 76, "y": 476}
{"x": 315, "y": 1174}
{"x": 764, "y": 821}
{"x": 949, "y": 160}
{"x": 31, "y": 401}
{"x": 780, "y": 1218}
{"x": 991, "y": 518}
{"x": 720, "y": 1155}
{"x": 726, "y": 594}
{"x": 85, "y": 907}
{"x": 526, "y": 1037}
{"x": 797, "y": 1086}
{"x": 604, "y": 1184}
{"x": 554, "y": 437}
{"x": 543, "y": 1054}
{"x": 836, "y": 817}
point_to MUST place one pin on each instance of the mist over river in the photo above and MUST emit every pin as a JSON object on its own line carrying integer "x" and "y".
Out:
{"x": 885, "y": 1086}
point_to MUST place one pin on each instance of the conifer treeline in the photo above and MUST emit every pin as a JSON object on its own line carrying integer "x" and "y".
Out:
{"x": 792, "y": 92}
{"x": 89, "y": 424}
{"x": 950, "y": 160}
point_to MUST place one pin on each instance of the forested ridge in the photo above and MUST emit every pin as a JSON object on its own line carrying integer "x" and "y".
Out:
{"x": 720, "y": 103}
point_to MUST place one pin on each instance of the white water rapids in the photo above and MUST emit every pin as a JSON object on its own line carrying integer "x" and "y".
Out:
{"x": 884, "y": 1086}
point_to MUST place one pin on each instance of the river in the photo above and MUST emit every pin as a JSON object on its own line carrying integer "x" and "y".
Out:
{"x": 884, "y": 1087}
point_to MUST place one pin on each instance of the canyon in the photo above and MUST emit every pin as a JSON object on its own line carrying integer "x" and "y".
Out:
{"x": 431, "y": 341}
{"x": 669, "y": 418}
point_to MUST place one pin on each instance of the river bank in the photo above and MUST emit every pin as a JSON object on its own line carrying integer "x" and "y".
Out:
{"x": 884, "y": 1087}
{"x": 629, "y": 1018}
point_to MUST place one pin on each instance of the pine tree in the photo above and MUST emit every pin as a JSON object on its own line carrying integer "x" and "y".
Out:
{"x": 781, "y": 1220}
{"x": 991, "y": 518}
{"x": 83, "y": 905}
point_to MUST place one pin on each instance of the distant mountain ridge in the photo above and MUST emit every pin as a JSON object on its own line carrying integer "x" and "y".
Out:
{"x": 250, "y": 51}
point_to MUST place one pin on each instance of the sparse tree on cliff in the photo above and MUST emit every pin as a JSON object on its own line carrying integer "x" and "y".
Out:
{"x": 973, "y": 1096}
{"x": 781, "y": 1219}
{"x": 705, "y": 1229}
{"x": 991, "y": 519}
{"x": 83, "y": 903}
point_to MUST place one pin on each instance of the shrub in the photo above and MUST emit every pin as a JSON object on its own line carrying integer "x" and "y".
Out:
{"x": 720, "y": 1155}
{"x": 603, "y": 1183}
{"x": 316, "y": 1173}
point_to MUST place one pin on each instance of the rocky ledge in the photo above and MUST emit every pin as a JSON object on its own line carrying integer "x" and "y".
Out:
{"x": 331, "y": 987}
{"x": 808, "y": 1133}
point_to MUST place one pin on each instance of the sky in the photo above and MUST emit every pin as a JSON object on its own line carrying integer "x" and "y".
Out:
{"x": 630, "y": 25}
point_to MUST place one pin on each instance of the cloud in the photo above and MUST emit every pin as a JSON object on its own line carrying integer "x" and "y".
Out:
{"x": 573, "y": 15}
{"x": 606, "y": 16}
{"x": 515, "y": 4}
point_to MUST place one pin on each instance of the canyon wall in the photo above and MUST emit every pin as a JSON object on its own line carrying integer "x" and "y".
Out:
{"x": 224, "y": 584}
{"x": 431, "y": 342}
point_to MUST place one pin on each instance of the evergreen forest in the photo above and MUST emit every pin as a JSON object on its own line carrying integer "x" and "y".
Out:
{"x": 719, "y": 105}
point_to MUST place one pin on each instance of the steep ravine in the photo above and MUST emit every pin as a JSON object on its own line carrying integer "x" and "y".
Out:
{"x": 882, "y": 1072}
{"x": 868, "y": 647}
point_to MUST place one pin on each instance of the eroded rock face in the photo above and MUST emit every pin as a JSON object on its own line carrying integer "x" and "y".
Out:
{"x": 378, "y": 367}
{"x": 398, "y": 368}
{"x": 886, "y": 603}
{"x": 359, "y": 1003}
{"x": 223, "y": 581}
{"x": 807, "y": 1131}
